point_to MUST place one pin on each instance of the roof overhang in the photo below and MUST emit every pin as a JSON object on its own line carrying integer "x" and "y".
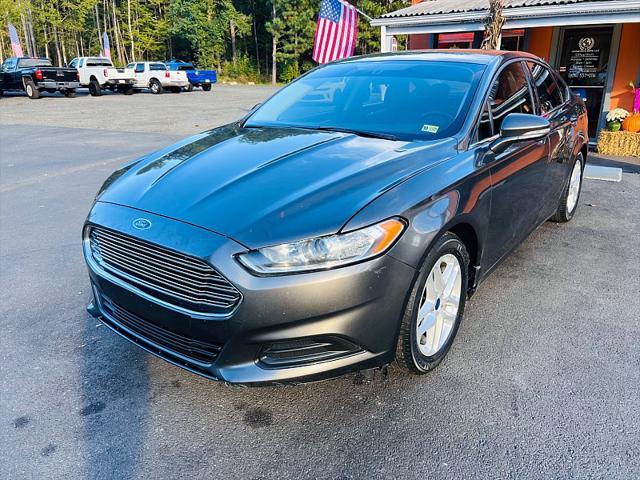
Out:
{"x": 587, "y": 13}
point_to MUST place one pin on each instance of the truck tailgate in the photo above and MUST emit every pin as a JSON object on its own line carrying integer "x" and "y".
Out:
{"x": 59, "y": 74}
{"x": 178, "y": 75}
{"x": 120, "y": 74}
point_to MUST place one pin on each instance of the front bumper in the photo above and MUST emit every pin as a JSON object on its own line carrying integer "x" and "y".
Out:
{"x": 358, "y": 308}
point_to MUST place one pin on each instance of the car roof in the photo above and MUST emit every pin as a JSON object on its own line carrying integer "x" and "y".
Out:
{"x": 452, "y": 55}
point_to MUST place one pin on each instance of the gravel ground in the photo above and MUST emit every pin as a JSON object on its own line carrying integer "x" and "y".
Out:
{"x": 543, "y": 380}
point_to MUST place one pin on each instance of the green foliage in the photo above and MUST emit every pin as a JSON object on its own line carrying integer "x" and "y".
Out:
{"x": 290, "y": 72}
{"x": 233, "y": 36}
{"x": 242, "y": 70}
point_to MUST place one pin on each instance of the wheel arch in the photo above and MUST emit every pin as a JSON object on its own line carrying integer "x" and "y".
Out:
{"x": 467, "y": 232}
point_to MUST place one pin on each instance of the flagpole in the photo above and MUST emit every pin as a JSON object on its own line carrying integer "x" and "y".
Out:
{"x": 363, "y": 14}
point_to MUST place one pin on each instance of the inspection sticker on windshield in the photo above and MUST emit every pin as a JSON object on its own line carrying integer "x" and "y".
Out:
{"x": 430, "y": 128}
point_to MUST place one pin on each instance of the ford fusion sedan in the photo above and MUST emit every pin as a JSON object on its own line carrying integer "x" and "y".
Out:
{"x": 343, "y": 223}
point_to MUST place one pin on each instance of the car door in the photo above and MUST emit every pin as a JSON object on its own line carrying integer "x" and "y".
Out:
{"x": 139, "y": 71}
{"x": 552, "y": 104}
{"x": 9, "y": 74}
{"x": 518, "y": 174}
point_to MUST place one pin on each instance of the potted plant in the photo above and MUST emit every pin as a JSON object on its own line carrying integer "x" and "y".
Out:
{"x": 615, "y": 118}
{"x": 632, "y": 122}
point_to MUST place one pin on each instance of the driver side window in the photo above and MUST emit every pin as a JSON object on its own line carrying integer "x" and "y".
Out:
{"x": 9, "y": 65}
{"x": 510, "y": 93}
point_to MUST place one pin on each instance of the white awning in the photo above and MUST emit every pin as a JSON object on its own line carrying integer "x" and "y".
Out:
{"x": 543, "y": 15}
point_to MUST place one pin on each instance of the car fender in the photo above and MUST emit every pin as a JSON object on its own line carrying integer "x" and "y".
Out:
{"x": 453, "y": 192}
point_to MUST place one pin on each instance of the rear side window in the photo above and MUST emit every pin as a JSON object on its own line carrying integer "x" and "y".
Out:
{"x": 157, "y": 66}
{"x": 550, "y": 95}
{"x": 139, "y": 67}
{"x": 73, "y": 63}
{"x": 510, "y": 94}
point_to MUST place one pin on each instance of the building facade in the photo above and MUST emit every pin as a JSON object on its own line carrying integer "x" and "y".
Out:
{"x": 594, "y": 44}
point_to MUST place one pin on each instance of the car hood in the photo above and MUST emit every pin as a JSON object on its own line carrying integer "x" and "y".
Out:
{"x": 262, "y": 186}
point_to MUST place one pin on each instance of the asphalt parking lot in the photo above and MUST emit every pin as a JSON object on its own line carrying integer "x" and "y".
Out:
{"x": 543, "y": 380}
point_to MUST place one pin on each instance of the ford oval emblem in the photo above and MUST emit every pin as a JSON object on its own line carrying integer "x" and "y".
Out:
{"x": 141, "y": 224}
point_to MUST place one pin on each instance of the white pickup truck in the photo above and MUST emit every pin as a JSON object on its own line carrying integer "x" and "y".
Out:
{"x": 157, "y": 77}
{"x": 98, "y": 73}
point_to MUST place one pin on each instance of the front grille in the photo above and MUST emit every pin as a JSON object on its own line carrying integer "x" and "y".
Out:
{"x": 172, "y": 276}
{"x": 194, "y": 350}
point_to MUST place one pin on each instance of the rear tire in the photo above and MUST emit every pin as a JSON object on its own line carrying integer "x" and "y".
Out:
{"x": 155, "y": 86}
{"x": 94, "y": 88}
{"x": 206, "y": 87}
{"x": 70, "y": 93}
{"x": 128, "y": 90}
{"x": 435, "y": 307}
{"x": 571, "y": 195}
{"x": 32, "y": 91}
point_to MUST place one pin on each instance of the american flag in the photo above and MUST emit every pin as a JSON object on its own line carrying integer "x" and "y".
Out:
{"x": 15, "y": 41}
{"x": 106, "y": 52}
{"x": 336, "y": 31}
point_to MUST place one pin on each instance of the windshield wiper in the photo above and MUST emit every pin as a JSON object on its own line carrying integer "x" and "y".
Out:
{"x": 360, "y": 133}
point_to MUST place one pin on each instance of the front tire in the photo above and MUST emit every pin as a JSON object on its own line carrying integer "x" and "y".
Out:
{"x": 189, "y": 88}
{"x": 435, "y": 307}
{"x": 569, "y": 200}
{"x": 32, "y": 91}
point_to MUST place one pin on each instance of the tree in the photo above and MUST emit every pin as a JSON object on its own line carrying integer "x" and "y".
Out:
{"x": 241, "y": 38}
{"x": 493, "y": 26}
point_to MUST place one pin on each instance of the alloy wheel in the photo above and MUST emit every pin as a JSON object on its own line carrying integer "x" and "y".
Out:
{"x": 574, "y": 186}
{"x": 439, "y": 304}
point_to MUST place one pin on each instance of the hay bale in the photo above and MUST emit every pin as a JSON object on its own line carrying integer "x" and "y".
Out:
{"x": 624, "y": 144}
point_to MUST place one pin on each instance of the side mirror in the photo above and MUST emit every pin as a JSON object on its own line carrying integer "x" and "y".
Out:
{"x": 517, "y": 127}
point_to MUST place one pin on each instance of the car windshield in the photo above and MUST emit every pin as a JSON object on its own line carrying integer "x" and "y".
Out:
{"x": 34, "y": 62}
{"x": 404, "y": 99}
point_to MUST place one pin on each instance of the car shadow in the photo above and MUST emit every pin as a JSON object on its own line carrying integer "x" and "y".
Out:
{"x": 114, "y": 403}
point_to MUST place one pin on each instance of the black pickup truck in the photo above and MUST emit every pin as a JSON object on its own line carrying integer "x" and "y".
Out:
{"x": 37, "y": 75}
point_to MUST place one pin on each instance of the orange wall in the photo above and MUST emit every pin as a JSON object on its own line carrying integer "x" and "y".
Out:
{"x": 627, "y": 67}
{"x": 540, "y": 42}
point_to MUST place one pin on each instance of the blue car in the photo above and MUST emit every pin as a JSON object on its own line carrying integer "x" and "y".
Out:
{"x": 197, "y": 78}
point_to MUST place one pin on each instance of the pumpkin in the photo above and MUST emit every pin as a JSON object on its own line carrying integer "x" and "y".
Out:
{"x": 632, "y": 123}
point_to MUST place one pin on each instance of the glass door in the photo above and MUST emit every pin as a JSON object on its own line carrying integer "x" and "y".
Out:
{"x": 583, "y": 63}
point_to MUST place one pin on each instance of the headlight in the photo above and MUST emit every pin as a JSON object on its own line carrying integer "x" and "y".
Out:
{"x": 325, "y": 252}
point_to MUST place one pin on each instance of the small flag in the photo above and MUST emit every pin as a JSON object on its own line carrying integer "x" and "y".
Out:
{"x": 15, "y": 41}
{"x": 336, "y": 31}
{"x": 105, "y": 42}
